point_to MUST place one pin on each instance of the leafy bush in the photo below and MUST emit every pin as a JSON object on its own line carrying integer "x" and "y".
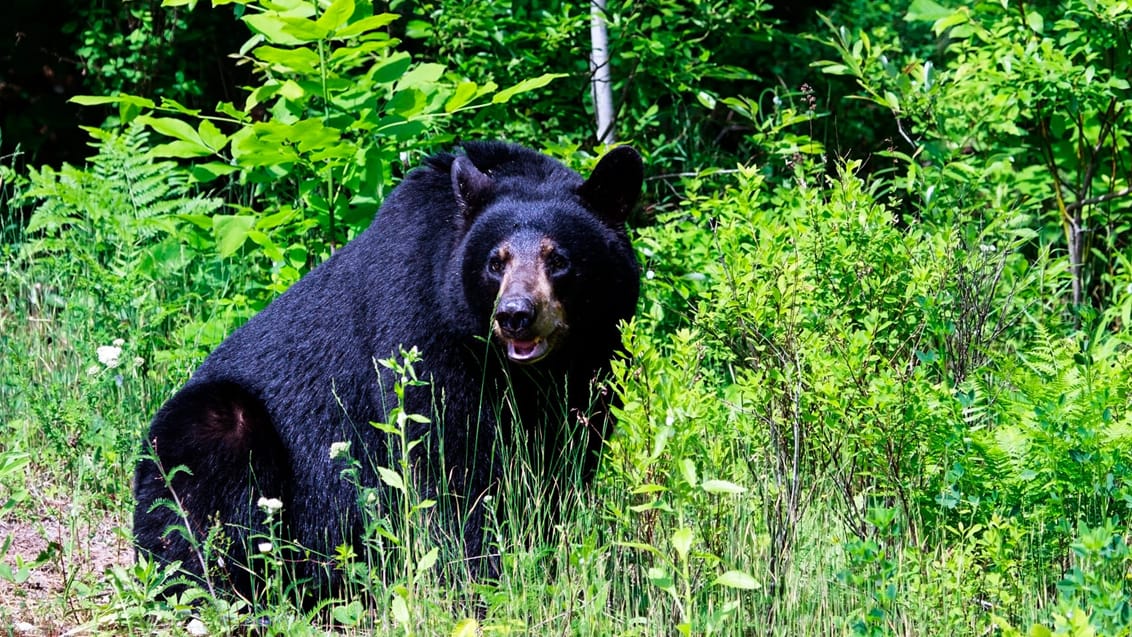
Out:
{"x": 105, "y": 242}
{"x": 1032, "y": 104}
{"x": 321, "y": 137}
{"x": 833, "y": 352}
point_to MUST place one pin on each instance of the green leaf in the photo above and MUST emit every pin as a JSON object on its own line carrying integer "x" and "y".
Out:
{"x": 274, "y": 220}
{"x": 365, "y": 25}
{"x": 688, "y": 468}
{"x": 172, "y": 127}
{"x": 892, "y": 101}
{"x": 421, "y": 76}
{"x": 723, "y": 486}
{"x": 271, "y": 27}
{"x": 836, "y": 69}
{"x": 298, "y": 60}
{"x": 399, "y": 129}
{"x": 249, "y": 150}
{"x": 271, "y": 250}
{"x": 955, "y": 19}
{"x": 682, "y": 541}
{"x": 209, "y": 171}
{"x": 231, "y": 231}
{"x": 211, "y": 136}
{"x": 348, "y": 615}
{"x": 407, "y": 102}
{"x": 392, "y": 69}
{"x": 1035, "y": 21}
{"x": 280, "y": 29}
{"x": 173, "y": 105}
{"x": 336, "y": 15}
{"x": 98, "y": 100}
{"x": 465, "y": 92}
{"x": 926, "y": 11}
{"x": 292, "y": 90}
{"x": 392, "y": 478}
{"x": 181, "y": 149}
{"x": 309, "y": 135}
{"x": 297, "y": 255}
{"x": 305, "y": 30}
{"x": 400, "y": 610}
{"x": 467, "y": 627}
{"x": 738, "y": 579}
{"x": 525, "y": 86}
{"x": 661, "y": 579}
{"x": 428, "y": 559}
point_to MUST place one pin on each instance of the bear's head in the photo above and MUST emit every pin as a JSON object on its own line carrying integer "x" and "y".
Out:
{"x": 545, "y": 264}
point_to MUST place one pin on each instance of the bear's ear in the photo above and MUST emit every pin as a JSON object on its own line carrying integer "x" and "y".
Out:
{"x": 472, "y": 187}
{"x": 615, "y": 185}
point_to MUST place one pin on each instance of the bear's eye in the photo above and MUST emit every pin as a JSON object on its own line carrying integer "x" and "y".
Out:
{"x": 495, "y": 265}
{"x": 557, "y": 263}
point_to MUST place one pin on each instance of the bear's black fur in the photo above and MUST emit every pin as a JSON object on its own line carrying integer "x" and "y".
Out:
{"x": 505, "y": 269}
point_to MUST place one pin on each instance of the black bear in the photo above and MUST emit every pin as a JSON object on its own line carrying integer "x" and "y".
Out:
{"x": 506, "y": 270}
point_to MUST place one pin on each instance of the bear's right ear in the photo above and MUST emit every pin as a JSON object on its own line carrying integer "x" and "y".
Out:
{"x": 615, "y": 185}
{"x": 472, "y": 187}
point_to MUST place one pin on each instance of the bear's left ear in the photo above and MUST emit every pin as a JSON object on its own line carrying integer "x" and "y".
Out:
{"x": 615, "y": 185}
{"x": 473, "y": 188}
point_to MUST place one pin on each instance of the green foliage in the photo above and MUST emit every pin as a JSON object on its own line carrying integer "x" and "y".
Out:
{"x": 672, "y": 62}
{"x": 1033, "y": 103}
{"x": 132, "y": 47}
{"x": 1051, "y": 432}
{"x": 321, "y": 135}
{"x": 831, "y": 348}
{"x": 860, "y": 397}
{"x": 105, "y": 242}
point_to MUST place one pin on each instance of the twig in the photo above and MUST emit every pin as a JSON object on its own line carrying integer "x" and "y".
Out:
{"x": 1099, "y": 199}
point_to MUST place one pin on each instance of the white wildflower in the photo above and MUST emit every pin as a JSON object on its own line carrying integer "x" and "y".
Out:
{"x": 118, "y": 342}
{"x": 108, "y": 355}
{"x": 265, "y": 547}
{"x": 270, "y": 505}
{"x": 93, "y": 370}
{"x": 339, "y": 449}
{"x": 196, "y": 628}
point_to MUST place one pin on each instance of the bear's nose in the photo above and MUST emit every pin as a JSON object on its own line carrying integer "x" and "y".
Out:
{"x": 515, "y": 314}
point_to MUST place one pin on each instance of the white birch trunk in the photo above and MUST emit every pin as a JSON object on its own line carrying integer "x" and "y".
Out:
{"x": 600, "y": 83}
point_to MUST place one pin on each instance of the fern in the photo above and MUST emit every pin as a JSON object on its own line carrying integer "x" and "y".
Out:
{"x": 119, "y": 205}
{"x": 1058, "y": 430}
{"x": 109, "y": 238}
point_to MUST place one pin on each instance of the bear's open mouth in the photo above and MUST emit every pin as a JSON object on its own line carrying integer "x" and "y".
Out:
{"x": 524, "y": 351}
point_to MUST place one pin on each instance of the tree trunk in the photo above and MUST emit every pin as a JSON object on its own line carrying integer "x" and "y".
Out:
{"x": 599, "y": 69}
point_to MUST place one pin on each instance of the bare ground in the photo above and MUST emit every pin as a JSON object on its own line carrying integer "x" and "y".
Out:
{"x": 80, "y": 548}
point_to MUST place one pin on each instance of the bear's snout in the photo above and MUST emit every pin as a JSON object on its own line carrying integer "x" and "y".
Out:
{"x": 516, "y": 315}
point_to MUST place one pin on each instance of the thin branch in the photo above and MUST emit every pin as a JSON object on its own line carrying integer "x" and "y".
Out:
{"x": 1099, "y": 199}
